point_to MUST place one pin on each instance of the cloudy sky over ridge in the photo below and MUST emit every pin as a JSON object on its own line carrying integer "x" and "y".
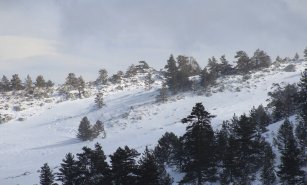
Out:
{"x": 54, "y": 37}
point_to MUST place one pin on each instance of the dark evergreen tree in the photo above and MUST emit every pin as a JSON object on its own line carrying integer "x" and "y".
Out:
{"x": 150, "y": 172}
{"x": 171, "y": 74}
{"x": 305, "y": 53}
{"x": 124, "y": 166}
{"x": 260, "y": 59}
{"x": 250, "y": 143}
{"x": 207, "y": 78}
{"x": 16, "y": 83}
{"x": 225, "y": 67}
{"x": 99, "y": 100}
{"x": 142, "y": 66}
{"x": 301, "y": 134}
{"x": 71, "y": 81}
{"x": 68, "y": 172}
{"x": 301, "y": 129}
{"x": 260, "y": 117}
{"x": 80, "y": 86}
{"x": 243, "y": 62}
{"x": 49, "y": 84}
{"x": 290, "y": 171}
{"x": 5, "y": 84}
{"x": 166, "y": 149}
{"x": 214, "y": 67}
{"x": 93, "y": 167}
{"x": 102, "y": 77}
{"x": 268, "y": 176}
{"x": 222, "y": 137}
{"x": 199, "y": 144}
{"x": 163, "y": 94}
{"x": 101, "y": 169}
{"x": 283, "y": 101}
{"x": 116, "y": 78}
{"x": 229, "y": 171}
{"x": 188, "y": 65}
{"x": 98, "y": 129}
{"x": 40, "y": 82}
{"x": 46, "y": 177}
{"x": 84, "y": 130}
{"x": 179, "y": 157}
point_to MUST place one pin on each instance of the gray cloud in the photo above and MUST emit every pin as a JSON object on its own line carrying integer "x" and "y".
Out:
{"x": 114, "y": 34}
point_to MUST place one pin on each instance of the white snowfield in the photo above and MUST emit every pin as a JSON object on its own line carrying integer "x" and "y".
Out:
{"x": 131, "y": 117}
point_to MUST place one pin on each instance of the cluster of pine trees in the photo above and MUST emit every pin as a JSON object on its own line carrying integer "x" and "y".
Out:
{"x": 16, "y": 84}
{"x": 178, "y": 72}
{"x": 91, "y": 167}
{"x": 233, "y": 155}
{"x": 290, "y": 100}
{"x": 87, "y": 132}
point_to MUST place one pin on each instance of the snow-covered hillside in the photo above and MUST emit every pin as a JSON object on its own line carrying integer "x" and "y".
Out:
{"x": 131, "y": 116}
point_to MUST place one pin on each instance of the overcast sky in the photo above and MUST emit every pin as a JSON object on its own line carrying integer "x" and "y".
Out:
{"x": 55, "y": 37}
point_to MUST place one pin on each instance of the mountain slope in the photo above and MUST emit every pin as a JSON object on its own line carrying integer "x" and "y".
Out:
{"x": 131, "y": 118}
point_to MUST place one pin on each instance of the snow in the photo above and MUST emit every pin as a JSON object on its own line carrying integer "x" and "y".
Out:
{"x": 131, "y": 117}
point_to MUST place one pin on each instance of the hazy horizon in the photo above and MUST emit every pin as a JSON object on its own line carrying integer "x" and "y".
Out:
{"x": 56, "y": 37}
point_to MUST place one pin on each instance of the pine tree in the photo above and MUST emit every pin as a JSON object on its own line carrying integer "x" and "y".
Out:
{"x": 301, "y": 134}
{"x": 102, "y": 78}
{"x": 116, "y": 78}
{"x": 296, "y": 57}
{"x": 243, "y": 62}
{"x": 163, "y": 94}
{"x": 80, "y": 86}
{"x": 124, "y": 166}
{"x": 301, "y": 129}
{"x": 93, "y": 168}
{"x": 100, "y": 169}
{"x": 290, "y": 171}
{"x": 171, "y": 74}
{"x": 46, "y": 177}
{"x": 150, "y": 172}
{"x": 166, "y": 148}
{"x": 148, "y": 81}
{"x": 29, "y": 84}
{"x": 268, "y": 176}
{"x": 230, "y": 173}
{"x": 68, "y": 172}
{"x": 283, "y": 101}
{"x": 198, "y": 141}
{"x": 260, "y": 118}
{"x": 16, "y": 83}
{"x": 98, "y": 129}
{"x": 99, "y": 100}
{"x": 5, "y": 84}
{"x": 260, "y": 59}
{"x": 225, "y": 67}
{"x": 305, "y": 53}
{"x": 250, "y": 145}
{"x": 214, "y": 67}
{"x": 71, "y": 81}
{"x": 84, "y": 130}
{"x": 207, "y": 78}
{"x": 40, "y": 82}
{"x": 49, "y": 84}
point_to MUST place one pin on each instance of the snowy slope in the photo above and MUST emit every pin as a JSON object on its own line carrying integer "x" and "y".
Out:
{"x": 131, "y": 116}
